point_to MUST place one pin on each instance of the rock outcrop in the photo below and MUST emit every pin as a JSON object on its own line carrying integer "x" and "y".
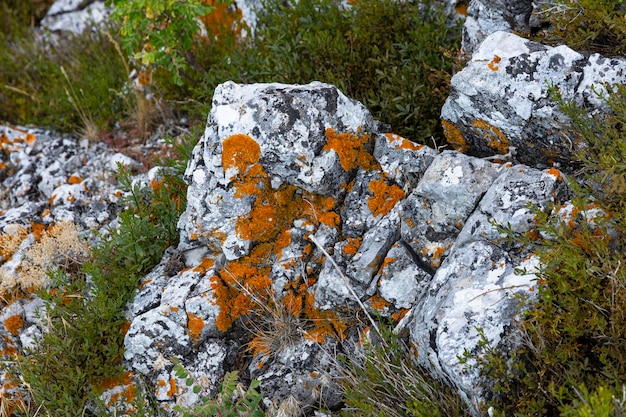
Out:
{"x": 485, "y": 17}
{"x": 302, "y": 209}
{"x": 283, "y": 172}
{"x": 501, "y": 102}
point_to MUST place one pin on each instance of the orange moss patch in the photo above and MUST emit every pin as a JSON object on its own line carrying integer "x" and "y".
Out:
{"x": 14, "y": 324}
{"x": 384, "y": 197}
{"x": 493, "y": 136}
{"x": 351, "y": 148}
{"x": 494, "y": 64}
{"x": 454, "y": 136}
{"x": 195, "y": 324}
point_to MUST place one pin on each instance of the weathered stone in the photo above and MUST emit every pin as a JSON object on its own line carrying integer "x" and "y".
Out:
{"x": 75, "y": 15}
{"x": 500, "y": 102}
{"x": 435, "y": 212}
{"x": 305, "y": 371}
{"x": 485, "y": 17}
{"x": 473, "y": 294}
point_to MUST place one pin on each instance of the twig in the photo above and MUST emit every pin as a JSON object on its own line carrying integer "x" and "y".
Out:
{"x": 347, "y": 282}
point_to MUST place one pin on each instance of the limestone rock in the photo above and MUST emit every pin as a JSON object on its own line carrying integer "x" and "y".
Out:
{"x": 75, "y": 15}
{"x": 500, "y": 102}
{"x": 485, "y": 17}
{"x": 477, "y": 284}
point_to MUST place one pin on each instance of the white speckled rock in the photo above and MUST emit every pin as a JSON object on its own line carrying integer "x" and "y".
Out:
{"x": 75, "y": 15}
{"x": 476, "y": 286}
{"x": 485, "y": 17}
{"x": 500, "y": 101}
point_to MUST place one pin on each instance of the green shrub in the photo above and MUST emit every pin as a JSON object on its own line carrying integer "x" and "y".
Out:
{"x": 84, "y": 345}
{"x": 79, "y": 83}
{"x": 18, "y": 15}
{"x": 603, "y": 402}
{"x": 573, "y": 336}
{"x": 395, "y": 57}
{"x": 385, "y": 382}
{"x": 586, "y": 25}
{"x": 160, "y": 32}
{"x": 231, "y": 401}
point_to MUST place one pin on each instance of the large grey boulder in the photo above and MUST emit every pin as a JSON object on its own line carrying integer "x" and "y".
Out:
{"x": 476, "y": 292}
{"x": 500, "y": 103}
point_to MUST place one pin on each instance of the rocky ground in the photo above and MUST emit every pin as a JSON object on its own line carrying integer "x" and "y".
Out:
{"x": 298, "y": 193}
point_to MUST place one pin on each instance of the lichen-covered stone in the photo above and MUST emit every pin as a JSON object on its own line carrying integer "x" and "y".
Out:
{"x": 485, "y": 17}
{"x": 476, "y": 288}
{"x": 500, "y": 102}
{"x": 75, "y": 15}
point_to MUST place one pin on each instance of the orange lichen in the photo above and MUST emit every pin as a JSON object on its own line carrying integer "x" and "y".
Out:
{"x": 352, "y": 246}
{"x": 494, "y": 63}
{"x": 124, "y": 327}
{"x": 555, "y": 173}
{"x": 161, "y": 383}
{"x": 107, "y": 383}
{"x": 351, "y": 149}
{"x": 207, "y": 263}
{"x": 384, "y": 197}
{"x": 173, "y": 388}
{"x": 461, "y": 7}
{"x": 494, "y": 137}
{"x": 74, "y": 180}
{"x": 14, "y": 324}
{"x": 454, "y": 136}
{"x": 401, "y": 143}
{"x": 195, "y": 324}
{"x": 378, "y": 302}
{"x": 400, "y": 314}
{"x": 240, "y": 151}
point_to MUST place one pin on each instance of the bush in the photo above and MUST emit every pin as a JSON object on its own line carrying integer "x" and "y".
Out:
{"x": 383, "y": 381}
{"x": 77, "y": 84}
{"x": 395, "y": 57}
{"x": 86, "y": 321}
{"x": 160, "y": 32}
{"x": 573, "y": 336}
{"x": 585, "y": 25}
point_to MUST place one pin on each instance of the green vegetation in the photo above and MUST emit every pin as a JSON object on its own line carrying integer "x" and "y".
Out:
{"x": 395, "y": 57}
{"x": 384, "y": 381}
{"x": 573, "y": 356}
{"x": 78, "y": 84}
{"x": 231, "y": 401}
{"x": 84, "y": 346}
{"x": 160, "y": 33}
{"x": 585, "y": 25}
